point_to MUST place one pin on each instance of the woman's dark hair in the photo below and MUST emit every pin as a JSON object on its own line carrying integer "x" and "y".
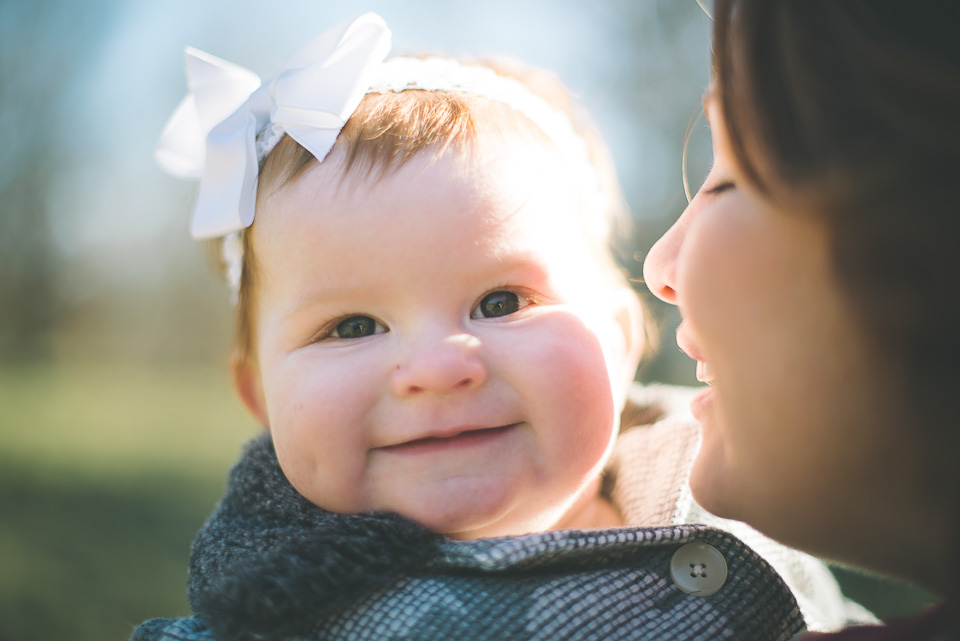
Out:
{"x": 850, "y": 110}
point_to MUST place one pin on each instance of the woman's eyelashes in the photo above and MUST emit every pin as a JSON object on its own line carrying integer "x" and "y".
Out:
{"x": 718, "y": 187}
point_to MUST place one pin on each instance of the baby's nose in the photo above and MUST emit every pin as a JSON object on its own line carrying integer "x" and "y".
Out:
{"x": 440, "y": 367}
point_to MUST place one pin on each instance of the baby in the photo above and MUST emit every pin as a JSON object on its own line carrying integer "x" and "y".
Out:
{"x": 440, "y": 348}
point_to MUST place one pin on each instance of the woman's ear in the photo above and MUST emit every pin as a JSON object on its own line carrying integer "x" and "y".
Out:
{"x": 246, "y": 382}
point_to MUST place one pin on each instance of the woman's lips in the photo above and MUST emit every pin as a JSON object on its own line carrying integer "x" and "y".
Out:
{"x": 461, "y": 440}
{"x": 688, "y": 347}
{"x": 686, "y": 344}
{"x": 700, "y": 404}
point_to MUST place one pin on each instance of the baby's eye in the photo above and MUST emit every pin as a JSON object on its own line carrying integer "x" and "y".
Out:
{"x": 356, "y": 327}
{"x": 499, "y": 303}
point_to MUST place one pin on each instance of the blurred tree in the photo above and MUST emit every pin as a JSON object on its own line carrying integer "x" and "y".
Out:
{"x": 661, "y": 66}
{"x": 44, "y": 47}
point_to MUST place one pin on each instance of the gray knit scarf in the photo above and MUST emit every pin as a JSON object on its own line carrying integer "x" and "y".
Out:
{"x": 268, "y": 561}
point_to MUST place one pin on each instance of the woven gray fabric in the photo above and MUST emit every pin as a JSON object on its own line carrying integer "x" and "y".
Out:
{"x": 611, "y": 585}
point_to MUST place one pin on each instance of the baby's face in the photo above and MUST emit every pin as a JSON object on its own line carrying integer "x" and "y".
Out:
{"x": 439, "y": 343}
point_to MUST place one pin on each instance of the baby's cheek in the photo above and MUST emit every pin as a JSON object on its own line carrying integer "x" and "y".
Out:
{"x": 320, "y": 470}
{"x": 319, "y": 435}
{"x": 568, "y": 385}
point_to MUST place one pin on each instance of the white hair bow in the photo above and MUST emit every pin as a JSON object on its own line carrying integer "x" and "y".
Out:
{"x": 213, "y": 134}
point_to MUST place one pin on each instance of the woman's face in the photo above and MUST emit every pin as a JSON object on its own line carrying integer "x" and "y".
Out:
{"x": 796, "y": 435}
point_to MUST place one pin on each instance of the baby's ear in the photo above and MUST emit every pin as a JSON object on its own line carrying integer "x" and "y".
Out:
{"x": 246, "y": 382}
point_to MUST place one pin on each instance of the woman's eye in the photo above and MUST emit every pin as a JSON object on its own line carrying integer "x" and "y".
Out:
{"x": 355, "y": 327}
{"x": 496, "y": 304}
{"x": 719, "y": 187}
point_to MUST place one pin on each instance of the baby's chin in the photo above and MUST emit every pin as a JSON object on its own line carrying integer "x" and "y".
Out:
{"x": 476, "y": 512}
{"x": 472, "y": 527}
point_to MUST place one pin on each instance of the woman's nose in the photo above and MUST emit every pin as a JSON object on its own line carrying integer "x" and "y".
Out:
{"x": 660, "y": 265}
{"x": 440, "y": 367}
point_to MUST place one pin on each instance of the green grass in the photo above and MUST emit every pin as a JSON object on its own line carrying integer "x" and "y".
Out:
{"x": 886, "y": 598}
{"x": 104, "y": 421}
{"x": 106, "y": 473}
{"x": 88, "y": 560}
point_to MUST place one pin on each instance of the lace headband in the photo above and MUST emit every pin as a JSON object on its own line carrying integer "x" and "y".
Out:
{"x": 230, "y": 121}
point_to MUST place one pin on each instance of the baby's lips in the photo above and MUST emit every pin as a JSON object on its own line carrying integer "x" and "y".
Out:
{"x": 448, "y": 432}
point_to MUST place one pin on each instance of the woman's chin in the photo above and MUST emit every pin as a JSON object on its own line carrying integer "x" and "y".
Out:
{"x": 708, "y": 482}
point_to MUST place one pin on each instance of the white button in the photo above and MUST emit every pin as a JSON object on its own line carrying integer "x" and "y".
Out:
{"x": 698, "y": 569}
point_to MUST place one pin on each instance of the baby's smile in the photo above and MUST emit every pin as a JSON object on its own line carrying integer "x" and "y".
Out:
{"x": 449, "y": 440}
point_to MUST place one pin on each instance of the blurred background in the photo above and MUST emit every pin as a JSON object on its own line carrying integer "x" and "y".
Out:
{"x": 117, "y": 422}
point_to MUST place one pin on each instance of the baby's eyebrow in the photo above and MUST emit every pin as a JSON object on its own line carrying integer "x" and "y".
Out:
{"x": 307, "y": 301}
{"x": 519, "y": 265}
